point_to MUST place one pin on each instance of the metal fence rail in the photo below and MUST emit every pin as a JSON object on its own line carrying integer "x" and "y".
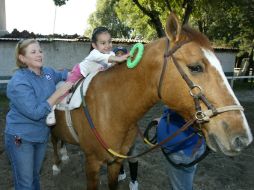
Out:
{"x": 233, "y": 78}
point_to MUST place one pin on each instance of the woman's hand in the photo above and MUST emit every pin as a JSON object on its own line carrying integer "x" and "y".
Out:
{"x": 60, "y": 92}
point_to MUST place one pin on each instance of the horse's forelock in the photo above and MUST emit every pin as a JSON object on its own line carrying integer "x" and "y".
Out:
{"x": 196, "y": 36}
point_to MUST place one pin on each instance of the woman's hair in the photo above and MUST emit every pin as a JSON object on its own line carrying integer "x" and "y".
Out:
{"x": 97, "y": 31}
{"x": 21, "y": 50}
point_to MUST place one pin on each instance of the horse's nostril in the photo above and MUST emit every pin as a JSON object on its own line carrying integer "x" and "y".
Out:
{"x": 239, "y": 143}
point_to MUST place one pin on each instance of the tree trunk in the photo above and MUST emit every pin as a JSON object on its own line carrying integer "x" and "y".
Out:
{"x": 155, "y": 19}
{"x": 188, "y": 10}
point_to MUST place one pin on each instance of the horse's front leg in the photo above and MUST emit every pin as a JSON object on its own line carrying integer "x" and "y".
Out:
{"x": 113, "y": 172}
{"x": 92, "y": 168}
{"x": 56, "y": 166}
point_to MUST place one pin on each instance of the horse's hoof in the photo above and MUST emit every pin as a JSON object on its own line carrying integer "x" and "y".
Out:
{"x": 56, "y": 169}
{"x": 65, "y": 159}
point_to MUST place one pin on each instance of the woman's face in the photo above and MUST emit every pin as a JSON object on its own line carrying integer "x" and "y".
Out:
{"x": 33, "y": 57}
{"x": 103, "y": 43}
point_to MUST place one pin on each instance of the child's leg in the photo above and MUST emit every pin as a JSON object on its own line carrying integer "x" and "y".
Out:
{"x": 75, "y": 74}
{"x": 73, "y": 77}
{"x": 121, "y": 169}
{"x": 133, "y": 165}
{"x": 122, "y": 174}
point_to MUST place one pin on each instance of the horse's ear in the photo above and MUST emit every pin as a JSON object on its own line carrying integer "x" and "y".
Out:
{"x": 173, "y": 28}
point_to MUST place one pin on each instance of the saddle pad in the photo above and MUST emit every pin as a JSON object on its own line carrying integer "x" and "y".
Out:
{"x": 76, "y": 97}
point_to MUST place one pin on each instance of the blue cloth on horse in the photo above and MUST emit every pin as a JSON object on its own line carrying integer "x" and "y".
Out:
{"x": 171, "y": 122}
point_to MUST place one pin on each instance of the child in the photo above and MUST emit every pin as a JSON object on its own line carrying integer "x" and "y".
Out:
{"x": 100, "y": 58}
{"x": 120, "y": 51}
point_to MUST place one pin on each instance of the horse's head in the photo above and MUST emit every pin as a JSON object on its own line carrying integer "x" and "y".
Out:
{"x": 194, "y": 74}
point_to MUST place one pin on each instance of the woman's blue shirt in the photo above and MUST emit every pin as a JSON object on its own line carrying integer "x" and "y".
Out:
{"x": 28, "y": 94}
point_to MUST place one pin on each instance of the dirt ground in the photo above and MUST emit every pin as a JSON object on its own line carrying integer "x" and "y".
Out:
{"x": 216, "y": 172}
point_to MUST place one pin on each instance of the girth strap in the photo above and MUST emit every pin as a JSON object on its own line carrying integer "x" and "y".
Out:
{"x": 70, "y": 126}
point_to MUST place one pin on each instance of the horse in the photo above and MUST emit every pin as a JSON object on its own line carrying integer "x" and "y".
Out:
{"x": 181, "y": 70}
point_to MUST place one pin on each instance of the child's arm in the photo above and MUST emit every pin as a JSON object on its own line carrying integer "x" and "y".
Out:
{"x": 118, "y": 59}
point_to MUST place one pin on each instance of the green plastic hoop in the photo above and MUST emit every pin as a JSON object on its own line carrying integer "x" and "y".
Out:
{"x": 133, "y": 63}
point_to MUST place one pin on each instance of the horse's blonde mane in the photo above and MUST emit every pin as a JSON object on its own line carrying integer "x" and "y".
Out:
{"x": 196, "y": 36}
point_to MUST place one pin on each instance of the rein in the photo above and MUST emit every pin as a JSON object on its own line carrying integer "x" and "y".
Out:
{"x": 115, "y": 154}
{"x": 118, "y": 155}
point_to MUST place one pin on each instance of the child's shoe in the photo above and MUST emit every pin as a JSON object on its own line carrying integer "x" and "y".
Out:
{"x": 133, "y": 185}
{"x": 122, "y": 176}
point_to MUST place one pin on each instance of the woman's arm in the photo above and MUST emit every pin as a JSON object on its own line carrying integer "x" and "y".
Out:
{"x": 54, "y": 98}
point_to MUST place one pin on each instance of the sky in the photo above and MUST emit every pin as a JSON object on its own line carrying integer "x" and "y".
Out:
{"x": 38, "y": 16}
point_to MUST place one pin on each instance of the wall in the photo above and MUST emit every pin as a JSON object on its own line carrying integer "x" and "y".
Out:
{"x": 65, "y": 53}
{"x": 57, "y": 54}
{"x": 227, "y": 59}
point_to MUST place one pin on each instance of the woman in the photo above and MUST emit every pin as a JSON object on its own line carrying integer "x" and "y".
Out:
{"x": 32, "y": 94}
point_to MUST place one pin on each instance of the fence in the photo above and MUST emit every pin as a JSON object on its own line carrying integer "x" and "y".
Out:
{"x": 233, "y": 78}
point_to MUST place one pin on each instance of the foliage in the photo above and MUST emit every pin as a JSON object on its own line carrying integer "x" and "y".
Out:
{"x": 225, "y": 22}
{"x": 60, "y": 2}
{"x": 147, "y": 17}
{"x": 105, "y": 15}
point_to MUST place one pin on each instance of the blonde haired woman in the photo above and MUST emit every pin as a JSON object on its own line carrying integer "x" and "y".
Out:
{"x": 32, "y": 94}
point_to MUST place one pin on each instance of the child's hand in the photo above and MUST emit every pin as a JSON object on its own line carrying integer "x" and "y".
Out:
{"x": 118, "y": 59}
{"x": 123, "y": 57}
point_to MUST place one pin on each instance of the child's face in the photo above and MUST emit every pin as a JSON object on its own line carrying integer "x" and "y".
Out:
{"x": 103, "y": 43}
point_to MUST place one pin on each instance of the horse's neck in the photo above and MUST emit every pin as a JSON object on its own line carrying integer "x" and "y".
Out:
{"x": 134, "y": 91}
{"x": 140, "y": 94}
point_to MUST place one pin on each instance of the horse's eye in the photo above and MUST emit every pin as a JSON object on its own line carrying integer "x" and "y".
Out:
{"x": 195, "y": 68}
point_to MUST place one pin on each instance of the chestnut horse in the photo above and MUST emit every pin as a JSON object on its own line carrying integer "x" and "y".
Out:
{"x": 176, "y": 69}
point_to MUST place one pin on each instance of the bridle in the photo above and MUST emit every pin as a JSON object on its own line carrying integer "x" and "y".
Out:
{"x": 198, "y": 97}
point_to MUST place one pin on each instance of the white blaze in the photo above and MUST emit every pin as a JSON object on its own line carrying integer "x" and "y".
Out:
{"x": 210, "y": 56}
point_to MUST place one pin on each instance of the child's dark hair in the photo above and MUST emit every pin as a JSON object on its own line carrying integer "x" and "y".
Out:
{"x": 96, "y": 32}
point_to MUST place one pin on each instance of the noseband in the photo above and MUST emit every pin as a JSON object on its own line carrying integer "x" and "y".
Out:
{"x": 200, "y": 116}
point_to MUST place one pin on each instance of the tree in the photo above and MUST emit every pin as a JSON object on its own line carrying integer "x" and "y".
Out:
{"x": 229, "y": 23}
{"x": 105, "y": 15}
{"x": 148, "y": 16}
{"x": 60, "y": 2}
